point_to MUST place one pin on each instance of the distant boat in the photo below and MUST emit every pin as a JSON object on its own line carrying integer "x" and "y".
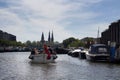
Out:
{"x": 42, "y": 58}
{"x": 98, "y": 52}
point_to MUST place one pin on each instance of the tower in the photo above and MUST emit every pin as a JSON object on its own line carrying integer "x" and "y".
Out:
{"x": 42, "y": 38}
{"x": 98, "y": 33}
{"x": 52, "y": 37}
{"x": 98, "y": 36}
{"x": 49, "y": 37}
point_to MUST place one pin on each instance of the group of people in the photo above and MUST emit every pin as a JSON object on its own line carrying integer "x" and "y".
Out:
{"x": 46, "y": 49}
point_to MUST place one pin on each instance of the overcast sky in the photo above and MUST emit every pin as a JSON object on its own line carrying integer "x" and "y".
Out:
{"x": 27, "y": 19}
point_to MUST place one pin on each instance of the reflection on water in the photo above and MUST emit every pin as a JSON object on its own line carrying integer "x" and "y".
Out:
{"x": 17, "y": 66}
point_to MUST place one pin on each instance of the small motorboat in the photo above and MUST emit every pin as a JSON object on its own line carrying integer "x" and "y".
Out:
{"x": 98, "y": 52}
{"x": 82, "y": 54}
{"x": 42, "y": 58}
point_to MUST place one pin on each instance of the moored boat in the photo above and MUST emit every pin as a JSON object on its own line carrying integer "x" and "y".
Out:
{"x": 82, "y": 54}
{"x": 98, "y": 52}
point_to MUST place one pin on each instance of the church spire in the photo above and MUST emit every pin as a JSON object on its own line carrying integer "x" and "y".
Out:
{"x": 49, "y": 37}
{"x": 52, "y": 37}
{"x": 98, "y": 36}
{"x": 42, "y": 38}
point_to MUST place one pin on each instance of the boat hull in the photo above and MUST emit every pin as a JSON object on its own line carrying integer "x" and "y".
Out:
{"x": 97, "y": 57}
{"x": 42, "y": 58}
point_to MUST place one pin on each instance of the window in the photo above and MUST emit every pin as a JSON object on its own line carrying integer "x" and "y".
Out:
{"x": 102, "y": 49}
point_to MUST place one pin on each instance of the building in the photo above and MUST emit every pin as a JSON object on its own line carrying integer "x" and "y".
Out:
{"x": 42, "y": 38}
{"x": 112, "y": 34}
{"x": 7, "y": 36}
{"x": 50, "y": 38}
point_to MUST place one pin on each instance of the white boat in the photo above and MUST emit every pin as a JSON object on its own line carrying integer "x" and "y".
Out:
{"x": 98, "y": 52}
{"x": 82, "y": 54}
{"x": 75, "y": 53}
{"x": 42, "y": 58}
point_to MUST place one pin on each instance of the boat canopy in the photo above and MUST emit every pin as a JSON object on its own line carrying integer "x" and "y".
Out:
{"x": 98, "y": 48}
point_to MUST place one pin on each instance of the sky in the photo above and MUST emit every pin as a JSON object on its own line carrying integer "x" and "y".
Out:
{"x": 27, "y": 19}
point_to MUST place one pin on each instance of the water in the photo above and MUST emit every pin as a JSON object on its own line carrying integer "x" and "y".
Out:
{"x": 17, "y": 66}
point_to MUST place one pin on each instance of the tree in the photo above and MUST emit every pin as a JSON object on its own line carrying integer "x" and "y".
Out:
{"x": 28, "y": 43}
{"x": 68, "y": 41}
{"x": 34, "y": 44}
{"x": 19, "y": 43}
{"x": 89, "y": 41}
{"x": 9, "y": 43}
{"x": 77, "y": 43}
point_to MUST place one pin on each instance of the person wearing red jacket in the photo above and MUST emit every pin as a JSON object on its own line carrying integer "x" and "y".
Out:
{"x": 47, "y": 51}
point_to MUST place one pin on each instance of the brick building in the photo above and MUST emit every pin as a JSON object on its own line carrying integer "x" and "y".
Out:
{"x": 112, "y": 34}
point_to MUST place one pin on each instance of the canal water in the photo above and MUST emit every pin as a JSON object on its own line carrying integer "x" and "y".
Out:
{"x": 17, "y": 66}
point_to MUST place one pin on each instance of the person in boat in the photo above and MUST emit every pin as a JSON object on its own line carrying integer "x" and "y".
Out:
{"x": 33, "y": 52}
{"x": 47, "y": 51}
{"x": 50, "y": 49}
{"x": 52, "y": 52}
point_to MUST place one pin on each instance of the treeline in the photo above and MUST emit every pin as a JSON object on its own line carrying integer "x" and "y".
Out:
{"x": 10, "y": 43}
{"x": 32, "y": 44}
{"x": 28, "y": 45}
{"x": 73, "y": 42}
{"x": 15, "y": 43}
{"x": 8, "y": 46}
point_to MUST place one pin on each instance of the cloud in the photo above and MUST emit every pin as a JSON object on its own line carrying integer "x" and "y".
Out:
{"x": 46, "y": 8}
{"x": 32, "y": 29}
{"x": 27, "y": 19}
{"x": 11, "y": 23}
{"x": 90, "y": 30}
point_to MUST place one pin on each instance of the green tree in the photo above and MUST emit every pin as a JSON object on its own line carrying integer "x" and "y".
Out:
{"x": 34, "y": 44}
{"x": 10, "y": 43}
{"x": 28, "y": 43}
{"x": 76, "y": 43}
{"x": 19, "y": 44}
{"x": 89, "y": 41}
{"x": 68, "y": 41}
